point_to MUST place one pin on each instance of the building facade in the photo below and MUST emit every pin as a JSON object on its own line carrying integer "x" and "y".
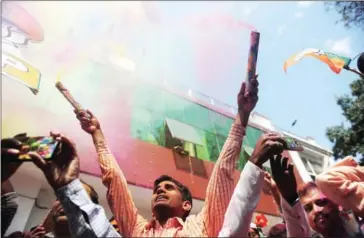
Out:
{"x": 152, "y": 127}
{"x": 155, "y": 122}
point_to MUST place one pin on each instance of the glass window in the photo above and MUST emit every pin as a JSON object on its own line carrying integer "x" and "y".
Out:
{"x": 150, "y": 98}
{"x": 252, "y": 135}
{"x": 190, "y": 147}
{"x": 222, "y": 124}
{"x": 243, "y": 158}
{"x": 220, "y": 141}
{"x": 141, "y": 125}
{"x": 175, "y": 107}
{"x": 158, "y": 128}
{"x": 198, "y": 116}
{"x": 202, "y": 152}
{"x": 212, "y": 147}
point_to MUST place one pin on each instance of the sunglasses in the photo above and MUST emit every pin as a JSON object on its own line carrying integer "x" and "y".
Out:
{"x": 319, "y": 202}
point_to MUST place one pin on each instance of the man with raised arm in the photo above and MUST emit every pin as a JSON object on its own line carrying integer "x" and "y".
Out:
{"x": 247, "y": 192}
{"x": 172, "y": 201}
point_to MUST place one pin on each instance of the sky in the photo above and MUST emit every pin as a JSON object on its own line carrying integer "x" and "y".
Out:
{"x": 308, "y": 91}
{"x": 204, "y": 45}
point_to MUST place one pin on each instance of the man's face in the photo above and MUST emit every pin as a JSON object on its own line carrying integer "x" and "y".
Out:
{"x": 167, "y": 197}
{"x": 321, "y": 212}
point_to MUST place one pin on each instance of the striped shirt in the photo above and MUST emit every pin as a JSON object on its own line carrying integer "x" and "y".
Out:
{"x": 207, "y": 223}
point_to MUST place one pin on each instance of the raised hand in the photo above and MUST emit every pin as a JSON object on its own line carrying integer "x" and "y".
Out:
{"x": 247, "y": 99}
{"x": 64, "y": 166}
{"x": 283, "y": 175}
{"x": 267, "y": 146}
{"x": 89, "y": 122}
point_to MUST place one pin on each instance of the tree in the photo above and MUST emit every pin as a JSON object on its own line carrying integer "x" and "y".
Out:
{"x": 350, "y": 140}
{"x": 352, "y": 12}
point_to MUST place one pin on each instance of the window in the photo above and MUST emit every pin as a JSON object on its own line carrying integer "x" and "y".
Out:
{"x": 198, "y": 116}
{"x": 175, "y": 107}
{"x": 313, "y": 167}
{"x": 222, "y": 124}
{"x": 186, "y": 137}
{"x": 165, "y": 119}
{"x": 211, "y": 145}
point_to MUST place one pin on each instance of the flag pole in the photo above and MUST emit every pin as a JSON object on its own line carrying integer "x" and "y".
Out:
{"x": 354, "y": 71}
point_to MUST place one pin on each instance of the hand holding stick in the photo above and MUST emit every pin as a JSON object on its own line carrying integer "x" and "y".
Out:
{"x": 68, "y": 96}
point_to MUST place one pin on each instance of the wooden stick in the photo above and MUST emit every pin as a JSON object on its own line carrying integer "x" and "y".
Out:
{"x": 68, "y": 96}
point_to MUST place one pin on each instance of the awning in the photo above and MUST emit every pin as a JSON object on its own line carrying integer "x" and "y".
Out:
{"x": 184, "y": 132}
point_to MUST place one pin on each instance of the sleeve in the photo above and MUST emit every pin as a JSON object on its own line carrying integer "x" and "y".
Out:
{"x": 86, "y": 219}
{"x": 9, "y": 206}
{"x": 221, "y": 183}
{"x": 345, "y": 186}
{"x": 118, "y": 194}
{"x": 296, "y": 222}
{"x": 244, "y": 201}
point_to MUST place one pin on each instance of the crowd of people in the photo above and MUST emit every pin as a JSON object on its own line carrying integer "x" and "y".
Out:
{"x": 332, "y": 206}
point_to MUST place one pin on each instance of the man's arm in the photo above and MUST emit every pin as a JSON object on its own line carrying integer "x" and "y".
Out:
{"x": 243, "y": 202}
{"x": 221, "y": 184}
{"x": 118, "y": 194}
{"x": 296, "y": 222}
{"x": 270, "y": 187}
{"x": 86, "y": 219}
{"x": 344, "y": 184}
{"x": 283, "y": 175}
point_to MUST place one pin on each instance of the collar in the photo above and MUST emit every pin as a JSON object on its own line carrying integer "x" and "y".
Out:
{"x": 174, "y": 222}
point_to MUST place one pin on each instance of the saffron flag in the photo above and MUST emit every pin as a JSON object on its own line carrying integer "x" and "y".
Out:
{"x": 335, "y": 62}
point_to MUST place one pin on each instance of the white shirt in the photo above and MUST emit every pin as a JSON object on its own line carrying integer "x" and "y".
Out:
{"x": 244, "y": 201}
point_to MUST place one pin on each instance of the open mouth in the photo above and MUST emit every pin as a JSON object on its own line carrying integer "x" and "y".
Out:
{"x": 161, "y": 198}
{"x": 321, "y": 218}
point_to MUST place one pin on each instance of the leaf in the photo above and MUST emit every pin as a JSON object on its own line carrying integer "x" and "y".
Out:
{"x": 350, "y": 140}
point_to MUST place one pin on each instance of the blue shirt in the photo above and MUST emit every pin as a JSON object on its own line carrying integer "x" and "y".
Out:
{"x": 85, "y": 218}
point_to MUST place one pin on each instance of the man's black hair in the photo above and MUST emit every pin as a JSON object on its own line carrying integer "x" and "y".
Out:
{"x": 185, "y": 191}
{"x": 93, "y": 194}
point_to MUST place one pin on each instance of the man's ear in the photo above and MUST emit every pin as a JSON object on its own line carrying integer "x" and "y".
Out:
{"x": 187, "y": 206}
